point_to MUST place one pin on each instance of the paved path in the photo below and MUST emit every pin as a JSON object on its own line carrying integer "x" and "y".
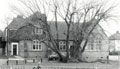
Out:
{"x": 3, "y": 61}
{"x": 16, "y": 58}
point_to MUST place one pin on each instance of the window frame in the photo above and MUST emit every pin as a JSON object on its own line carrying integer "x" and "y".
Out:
{"x": 98, "y": 45}
{"x": 90, "y": 45}
{"x": 99, "y": 42}
{"x": 62, "y": 44}
{"x": 38, "y": 31}
{"x": 37, "y": 44}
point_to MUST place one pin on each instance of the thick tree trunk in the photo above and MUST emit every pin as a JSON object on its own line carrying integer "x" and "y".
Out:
{"x": 76, "y": 53}
{"x": 80, "y": 59}
{"x": 63, "y": 59}
{"x": 72, "y": 51}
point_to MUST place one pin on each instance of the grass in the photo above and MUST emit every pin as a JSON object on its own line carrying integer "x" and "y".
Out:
{"x": 55, "y": 65}
{"x": 113, "y": 64}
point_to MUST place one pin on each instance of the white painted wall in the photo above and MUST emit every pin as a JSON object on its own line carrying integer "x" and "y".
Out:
{"x": 117, "y": 45}
{"x": 114, "y": 57}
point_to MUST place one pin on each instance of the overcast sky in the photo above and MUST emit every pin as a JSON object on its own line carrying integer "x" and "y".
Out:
{"x": 110, "y": 27}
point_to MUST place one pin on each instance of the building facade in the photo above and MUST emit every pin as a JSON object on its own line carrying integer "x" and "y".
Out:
{"x": 115, "y": 42}
{"x": 98, "y": 45}
{"x": 1, "y": 44}
{"x": 23, "y": 37}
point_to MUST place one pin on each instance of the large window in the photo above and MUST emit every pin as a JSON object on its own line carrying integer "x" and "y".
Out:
{"x": 38, "y": 31}
{"x": 37, "y": 45}
{"x": 90, "y": 46}
{"x": 94, "y": 43}
{"x": 62, "y": 45}
{"x": 99, "y": 39}
{"x": 98, "y": 45}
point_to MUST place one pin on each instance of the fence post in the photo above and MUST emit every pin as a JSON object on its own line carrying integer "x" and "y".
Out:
{"x": 7, "y": 62}
{"x": 25, "y": 61}
{"x": 107, "y": 59}
{"x": 16, "y": 62}
{"x": 33, "y": 60}
{"x": 41, "y": 60}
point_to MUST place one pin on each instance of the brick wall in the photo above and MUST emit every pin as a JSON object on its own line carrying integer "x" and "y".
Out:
{"x": 94, "y": 55}
{"x": 30, "y": 52}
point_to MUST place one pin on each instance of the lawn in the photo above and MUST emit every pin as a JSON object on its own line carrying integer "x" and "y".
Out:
{"x": 56, "y": 65}
{"x": 45, "y": 63}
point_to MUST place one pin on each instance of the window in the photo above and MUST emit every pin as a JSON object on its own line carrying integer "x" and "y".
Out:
{"x": 90, "y": 45}
{"x": 62, "y": 45}
{"x": 99, "y": 42}
{"x": 98, "y": 45}
{"x": 37, "y": 45}
{"x": 38, "y": 31}
{"x": 95, "y": 43}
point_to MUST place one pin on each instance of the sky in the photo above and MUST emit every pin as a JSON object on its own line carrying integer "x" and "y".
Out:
{"x": 110, "y": 26}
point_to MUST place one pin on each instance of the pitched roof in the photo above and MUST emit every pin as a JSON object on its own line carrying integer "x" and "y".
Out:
{"x": 115, "y": 36}
{"x": 61, "y": 29}
{"x": 25, "y": 33}
{"x": 16, "y": 23}
{"x": 21, "y": 22}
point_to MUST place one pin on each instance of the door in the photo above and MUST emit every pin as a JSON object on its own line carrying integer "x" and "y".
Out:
{"x": 14, "y": 49}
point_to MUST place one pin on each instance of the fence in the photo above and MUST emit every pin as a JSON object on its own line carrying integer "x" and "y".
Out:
{"x": 25, "y": 61}
{"x": 55, "y": 67}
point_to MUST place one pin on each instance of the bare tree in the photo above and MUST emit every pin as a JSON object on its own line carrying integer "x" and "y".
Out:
{"x": 92, "y": 15}
{"x": 80, "y": 21}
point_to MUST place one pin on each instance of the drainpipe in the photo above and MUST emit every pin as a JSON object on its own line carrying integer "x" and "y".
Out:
{"x": 7, "y": 42}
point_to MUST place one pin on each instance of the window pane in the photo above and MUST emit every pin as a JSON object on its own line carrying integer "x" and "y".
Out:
{"x": 36, "y": 46}
{"x": 92, "y": 46}
{"x": 60, "y": 47}
{"x": 89, "y": 46}
{"x": 37, "y": 42}
{"x": 34, "y": 41}
{"x": 64, "y": 42}
{"x": 63, "y": 47}
{"x": 60, "y": 42}
{"x": 38, "y": 31}
{"x": 33, "y": 46}
{"x": 39, "y": 46}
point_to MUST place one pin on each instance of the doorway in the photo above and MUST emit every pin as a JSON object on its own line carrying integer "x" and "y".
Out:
{"x": 14, "y": 49}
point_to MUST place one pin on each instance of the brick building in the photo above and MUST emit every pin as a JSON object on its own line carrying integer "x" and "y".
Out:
{"x": 22, "y": 36}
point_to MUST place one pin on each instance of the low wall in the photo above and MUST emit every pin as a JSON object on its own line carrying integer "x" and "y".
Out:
{"x": 114, "y": 57}
{"x": 95, "y": 55}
